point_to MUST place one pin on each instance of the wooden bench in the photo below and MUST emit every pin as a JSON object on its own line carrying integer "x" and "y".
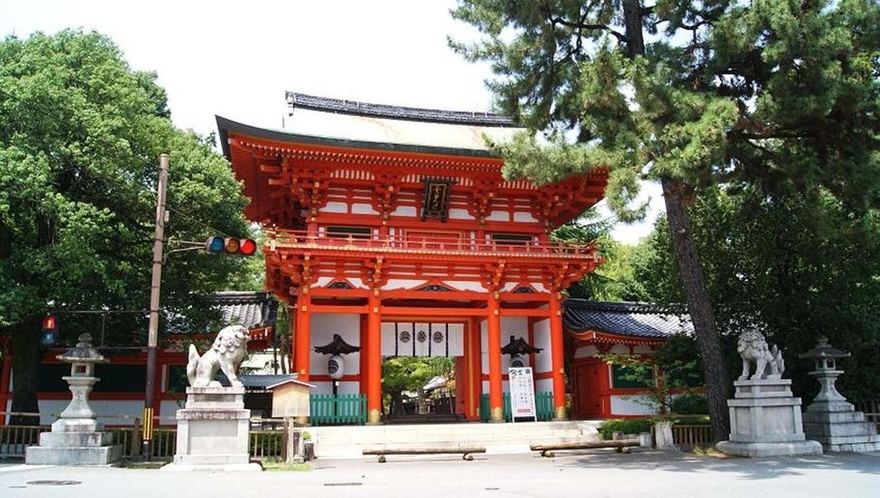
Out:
{"x": 620, "y": 445}
{"x": 465, "y": 451}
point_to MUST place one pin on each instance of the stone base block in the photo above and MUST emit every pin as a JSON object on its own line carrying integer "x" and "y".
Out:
{"x": 757, "y": 450}
{"x": 213, "y": 431}
{"x": 75, "y": 439}
{"x": 103, "y": 455}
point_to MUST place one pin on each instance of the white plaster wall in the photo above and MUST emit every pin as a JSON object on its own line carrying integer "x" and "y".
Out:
{"x": 326, "y": 387}
{"x": 586, "y": 352}
{"x": 168, "y": 411}
{"x": 334, "y": 207}
{"x": 324, "y": 325}
{"x": 524, "y": 216}
{"x": 405, "y": 211}
{"x": 498, "y": 216}
{"x": 631, "y": 405}
{"x": 459, "y": 214}
{"x": 359, "y": 208}
{"x": 484, "y": 347}
{"x": 543, "y": 360}
{"x": 543, "y": 385}
{"x": 397, "y": 284}
{"x": 109, "y": 411}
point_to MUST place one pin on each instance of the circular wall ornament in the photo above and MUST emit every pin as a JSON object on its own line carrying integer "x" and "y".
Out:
{"x": 405, "y": 336}
{"x": 437, "y": 337}
{"x": 422, "y": 336}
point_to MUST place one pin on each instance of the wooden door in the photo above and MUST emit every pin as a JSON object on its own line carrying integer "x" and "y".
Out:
{"x": 587, "y": 390}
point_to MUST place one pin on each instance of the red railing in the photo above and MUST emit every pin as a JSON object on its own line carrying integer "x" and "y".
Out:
{"x": 436, "y": 243}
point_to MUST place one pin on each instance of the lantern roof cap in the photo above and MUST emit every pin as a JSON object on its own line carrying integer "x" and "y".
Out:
{"x": 824, "y": 350}
{"x": 337, "y": 346}
{"x": 83, "y": 352}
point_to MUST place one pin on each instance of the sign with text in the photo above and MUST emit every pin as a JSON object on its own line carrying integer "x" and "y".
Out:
{"x": 522, "y": 393}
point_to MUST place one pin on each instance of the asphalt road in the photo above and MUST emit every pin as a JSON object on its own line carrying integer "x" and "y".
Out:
{"x": 595, "y": 473}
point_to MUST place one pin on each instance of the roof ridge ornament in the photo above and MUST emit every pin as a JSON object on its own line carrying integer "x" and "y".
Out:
{"x": 344, "y": 106}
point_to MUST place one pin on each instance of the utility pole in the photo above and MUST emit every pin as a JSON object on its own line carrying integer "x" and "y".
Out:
{"x": 153, "y": 333}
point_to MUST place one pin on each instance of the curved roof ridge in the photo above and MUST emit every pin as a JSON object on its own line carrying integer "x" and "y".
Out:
{"x": 473, "y": 118}
{"x": 627, "y": 306}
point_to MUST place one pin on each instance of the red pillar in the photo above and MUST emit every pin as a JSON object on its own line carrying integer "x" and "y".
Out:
{"x": 496, "y": 399}
{"x": 556, "y": 357}
{"x": 374, "y": 359}
{"x": 303, "y": 339}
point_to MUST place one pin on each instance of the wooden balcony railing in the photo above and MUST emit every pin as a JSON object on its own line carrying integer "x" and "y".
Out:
{"x": 438, "y": 243}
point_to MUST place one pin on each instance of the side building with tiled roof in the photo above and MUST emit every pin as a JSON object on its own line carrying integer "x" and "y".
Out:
{"x": 596, "y": 328}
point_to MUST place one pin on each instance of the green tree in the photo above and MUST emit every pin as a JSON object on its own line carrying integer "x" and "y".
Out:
{"x": 797, "y": 267}
{"x": 691, "y": 94}
{"x": 402, "y": 373}
{"x": 80, "y": 137}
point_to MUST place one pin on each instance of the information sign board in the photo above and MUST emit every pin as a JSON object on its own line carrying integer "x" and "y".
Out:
{"x": 522, "y": 393}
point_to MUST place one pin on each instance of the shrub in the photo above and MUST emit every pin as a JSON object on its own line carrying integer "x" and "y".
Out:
{"x": 690, "y": 404}
{"x": 626, "y": 426}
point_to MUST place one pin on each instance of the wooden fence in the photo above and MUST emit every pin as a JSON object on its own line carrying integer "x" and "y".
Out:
{"x": 543, "y": 406}
{"x": 15, "y": 439}
{"x": 343, "y": 409}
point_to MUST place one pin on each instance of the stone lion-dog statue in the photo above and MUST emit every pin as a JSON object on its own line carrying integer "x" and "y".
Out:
{"x": 226, "y": 354}
{"x": 753, "y": 349}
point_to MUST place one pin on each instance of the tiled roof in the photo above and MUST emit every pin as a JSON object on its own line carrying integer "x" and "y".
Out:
{"x": 250, "y": 309}
{"x": 625, "y": 318}
{"x": 396, "y": 112}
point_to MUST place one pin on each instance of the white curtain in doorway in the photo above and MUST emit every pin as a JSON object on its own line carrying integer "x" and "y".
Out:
{"x": 422, "y": 339}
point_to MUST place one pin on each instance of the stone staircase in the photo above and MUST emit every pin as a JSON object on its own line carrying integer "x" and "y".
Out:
{"x": 350, "y": 441}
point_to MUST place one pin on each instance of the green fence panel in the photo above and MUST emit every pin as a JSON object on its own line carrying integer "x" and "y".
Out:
{"x": 342, "y": 409}
{"x": 543, "y": 406}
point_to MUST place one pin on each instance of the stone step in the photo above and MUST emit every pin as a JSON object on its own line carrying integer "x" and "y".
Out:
{"x": 349, "y": 442}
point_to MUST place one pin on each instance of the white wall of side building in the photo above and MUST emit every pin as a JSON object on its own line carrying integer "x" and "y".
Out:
{"x": 631, "y": 405}
{"x": 108, "y": 411}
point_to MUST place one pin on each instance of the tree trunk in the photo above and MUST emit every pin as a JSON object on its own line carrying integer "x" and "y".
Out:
{"x": 676, "y": 197}
{"x": 26, "y": 358}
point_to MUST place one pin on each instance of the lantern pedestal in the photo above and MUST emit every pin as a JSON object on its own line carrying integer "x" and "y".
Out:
{"x": 830, "y": 419}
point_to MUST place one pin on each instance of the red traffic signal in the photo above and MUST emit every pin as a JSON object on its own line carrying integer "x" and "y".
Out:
{"x": 231, "y": 245}
{"x": 48, "y": 331}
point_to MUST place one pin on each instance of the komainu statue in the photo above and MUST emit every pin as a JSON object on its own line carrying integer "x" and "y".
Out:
{"x": 226, "y": 354}
{"x": 753, "y": 348}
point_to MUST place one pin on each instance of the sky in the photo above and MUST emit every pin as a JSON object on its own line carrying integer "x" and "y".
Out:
{"x": 237, "y": 59}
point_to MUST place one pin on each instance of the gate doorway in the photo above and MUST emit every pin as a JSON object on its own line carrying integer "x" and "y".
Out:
{"x": 419, "y": 390}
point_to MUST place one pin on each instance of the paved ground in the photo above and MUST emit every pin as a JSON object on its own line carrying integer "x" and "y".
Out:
{"x": 595, "y": 473}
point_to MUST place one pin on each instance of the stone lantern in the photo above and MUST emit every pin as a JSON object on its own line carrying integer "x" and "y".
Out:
{"x": 830, "y": 419}
{"x": 76, "y": 437}
{"x": 826, "y": 372}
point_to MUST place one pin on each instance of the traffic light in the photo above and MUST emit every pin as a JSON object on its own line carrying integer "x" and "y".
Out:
{"x": 48, "y": 331}
{"x": 231, "y": 245}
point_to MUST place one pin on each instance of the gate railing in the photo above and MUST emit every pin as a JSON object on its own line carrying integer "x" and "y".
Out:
{"x": 342, "y": 409}
{"x": 543, "y": 406}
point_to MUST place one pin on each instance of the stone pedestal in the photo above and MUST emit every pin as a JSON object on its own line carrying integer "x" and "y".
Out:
{"x": 212, "y": 431}
{"x": 834, "y": 423}
{"x": 765, "y": 420}
{"x": 74, "y": 442}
